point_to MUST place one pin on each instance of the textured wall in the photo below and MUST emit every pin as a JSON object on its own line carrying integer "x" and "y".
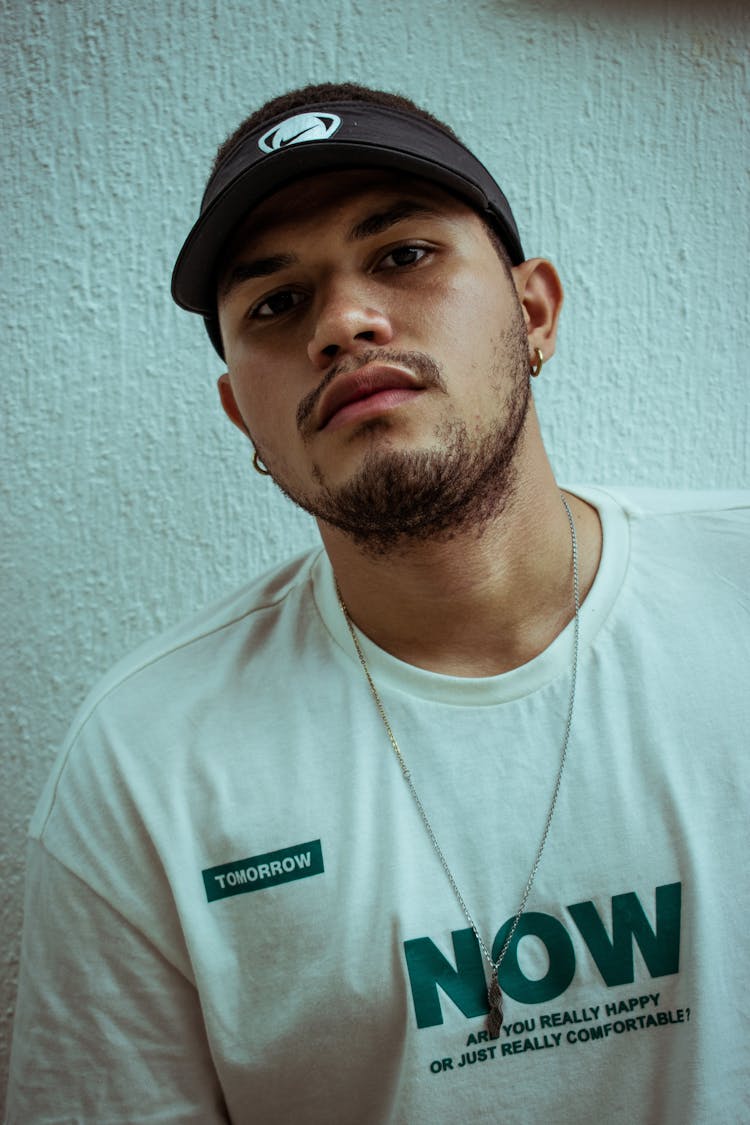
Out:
{"x": 127, "y": 501}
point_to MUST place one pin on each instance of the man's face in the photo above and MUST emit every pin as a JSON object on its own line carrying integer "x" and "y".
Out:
{"x": 376, "y": 353}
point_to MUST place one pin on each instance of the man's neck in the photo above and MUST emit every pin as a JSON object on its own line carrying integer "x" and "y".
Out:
{"x": 480, "y": 603}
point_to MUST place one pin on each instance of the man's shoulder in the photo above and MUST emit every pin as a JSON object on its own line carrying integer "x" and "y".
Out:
{"x": 645, "y": 503}
{"x": 686, "y": 543}
{"x": 162, "y": 711}
{"x": 219, "y": 628}
{"x": 146, "y": 713}
{"x": 667, "y": 521}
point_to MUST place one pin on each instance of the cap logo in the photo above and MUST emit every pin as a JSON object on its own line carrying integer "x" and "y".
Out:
{"x": 301, "y": 127}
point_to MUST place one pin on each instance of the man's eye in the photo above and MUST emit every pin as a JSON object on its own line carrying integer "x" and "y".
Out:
{"x": 276, "y": 304}
{"x": 404, "y": 256}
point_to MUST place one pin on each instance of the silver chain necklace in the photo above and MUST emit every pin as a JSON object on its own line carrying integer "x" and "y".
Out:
{"x": 494, "y": 992}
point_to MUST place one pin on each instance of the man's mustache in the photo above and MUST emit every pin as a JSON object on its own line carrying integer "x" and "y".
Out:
{"x": 424, "y": 366}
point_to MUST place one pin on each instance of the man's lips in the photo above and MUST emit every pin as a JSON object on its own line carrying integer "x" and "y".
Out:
{"x": 381, "y": 385}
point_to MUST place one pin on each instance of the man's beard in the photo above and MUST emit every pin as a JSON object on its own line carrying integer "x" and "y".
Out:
{"x": 399, "y": 498}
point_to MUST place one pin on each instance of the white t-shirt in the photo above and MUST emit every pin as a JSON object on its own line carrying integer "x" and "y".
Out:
{"x": 235, "y": 911}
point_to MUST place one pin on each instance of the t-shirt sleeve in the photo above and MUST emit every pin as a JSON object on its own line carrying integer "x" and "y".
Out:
{"x": 106, "y": 1029}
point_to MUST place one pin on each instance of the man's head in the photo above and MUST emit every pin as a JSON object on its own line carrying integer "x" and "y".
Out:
{"x": 377, "y": 316}
{"x": 325, "y": 128}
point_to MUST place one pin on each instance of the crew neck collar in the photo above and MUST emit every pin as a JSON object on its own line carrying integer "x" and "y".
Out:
{"x": 392, "y": 674}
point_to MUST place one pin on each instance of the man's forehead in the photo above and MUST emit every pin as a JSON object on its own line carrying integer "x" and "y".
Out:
{"x": 319, "y": 196}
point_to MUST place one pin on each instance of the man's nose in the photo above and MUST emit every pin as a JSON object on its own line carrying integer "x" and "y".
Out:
{"x": 347, "y": 319}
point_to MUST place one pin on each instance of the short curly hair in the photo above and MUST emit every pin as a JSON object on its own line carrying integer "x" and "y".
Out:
{"x": 322, "y": 92}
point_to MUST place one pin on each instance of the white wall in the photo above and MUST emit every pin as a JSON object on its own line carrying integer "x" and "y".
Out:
{"x": 621, "y": 141}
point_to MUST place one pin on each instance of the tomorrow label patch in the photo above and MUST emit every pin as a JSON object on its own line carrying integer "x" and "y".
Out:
{"x": 260, "y": 871}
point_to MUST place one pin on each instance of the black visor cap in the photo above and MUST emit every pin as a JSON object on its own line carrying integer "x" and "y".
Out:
{"x": 318, "y": 138}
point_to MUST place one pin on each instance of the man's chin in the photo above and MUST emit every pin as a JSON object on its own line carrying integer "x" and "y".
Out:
{"x": 395, "y": 495}
{"x": 399, "y": 498}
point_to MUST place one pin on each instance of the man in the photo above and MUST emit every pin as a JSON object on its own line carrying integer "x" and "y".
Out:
{"x": 442, "y": 822}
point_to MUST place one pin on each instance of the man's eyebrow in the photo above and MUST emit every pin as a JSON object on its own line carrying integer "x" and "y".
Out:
{"x": 374, "y": 224}
{"x": 382, "y": 220}
{"x": 254, "y": 267}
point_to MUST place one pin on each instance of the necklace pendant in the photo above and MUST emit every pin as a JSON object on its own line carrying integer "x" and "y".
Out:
{"x": 495, "y": 1016}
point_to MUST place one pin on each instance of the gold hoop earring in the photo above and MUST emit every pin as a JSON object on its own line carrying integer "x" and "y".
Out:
{"x": 537, "y": 366}
{"x": 258, "y": 464}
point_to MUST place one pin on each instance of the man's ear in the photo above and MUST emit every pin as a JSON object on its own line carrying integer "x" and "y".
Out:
{"x": 229, "y": 403}
{"x": 540, "y": 292}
